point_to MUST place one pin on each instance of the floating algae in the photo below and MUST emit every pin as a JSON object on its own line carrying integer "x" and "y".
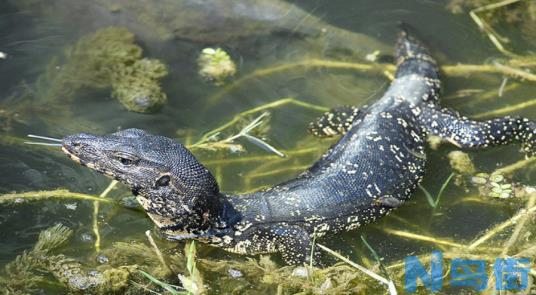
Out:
{"x": 520, "y": 14}
{"x": 461, "y": 163}
{"x": 22, "y": 275}
{"x": 494, "y": 185}
{"x": 215, "y": 65}
{"x": 137, "y": 86}
{"x": 108, "y": 58}
{"x": 122, "y": 275}
{"x": 513, "y": 12}
{"x": 26, "y": 274}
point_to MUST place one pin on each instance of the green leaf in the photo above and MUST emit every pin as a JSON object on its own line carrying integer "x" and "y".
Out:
{"x": 164, "y": 285}
{"x": 429, "y": 197}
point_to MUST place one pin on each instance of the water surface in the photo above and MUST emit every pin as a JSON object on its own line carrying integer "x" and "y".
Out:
{"x": 31, "y": 38}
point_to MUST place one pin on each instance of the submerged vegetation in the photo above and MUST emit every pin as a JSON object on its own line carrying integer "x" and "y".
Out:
{"x": 106, "y": 59}
{"x": 215, "y": 65}
{"x": 110, "y": 59}
{"x": 487, "y": 13}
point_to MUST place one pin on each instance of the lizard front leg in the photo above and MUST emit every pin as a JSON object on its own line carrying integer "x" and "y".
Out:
{"x": 336, "y": 121}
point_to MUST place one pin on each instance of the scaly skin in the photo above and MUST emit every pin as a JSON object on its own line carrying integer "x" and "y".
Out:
{"x": 372, "y": 169}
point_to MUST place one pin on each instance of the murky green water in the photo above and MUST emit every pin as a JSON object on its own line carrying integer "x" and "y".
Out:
{"x": 33, "y": 32}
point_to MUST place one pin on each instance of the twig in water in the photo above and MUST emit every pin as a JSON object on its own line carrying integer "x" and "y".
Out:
{"x": 193, "y": 283}
{"x": 501, "y": 227}
{"x": 144, "y": 287}
{"x": 275, "y": 104}
{"x": 156, "y": 250}
{"x": 228, "y": 142}
{"x": 372, "y": 68}
{"x": 43, "y": 143}
{"x": 264, "y": 158}
{"x": 262, "y": 144}
{"x": 313, "y": 244}
{"x": 422, "y": 238}
{"x": 103, "y": 195}
{"x": 506, "y": 110}
{"x": 58, "y": 194}
{"x": 44, "y": 137}
{"x": 515, "y": 72}
{"x": 503, "y": 84}
{"x": 490, "y": 32}
{"x": 519, "y": 227}
{"x": 510, "y": 169}
{"x": 390, "y": 285}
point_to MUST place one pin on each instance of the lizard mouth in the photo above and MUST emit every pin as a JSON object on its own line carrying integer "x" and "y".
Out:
{"x": 73, "y": 156}
{"x": 77, "y": 158}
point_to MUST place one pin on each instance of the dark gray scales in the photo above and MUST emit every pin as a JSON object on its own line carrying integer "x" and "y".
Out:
{"x": 374, "y": 168}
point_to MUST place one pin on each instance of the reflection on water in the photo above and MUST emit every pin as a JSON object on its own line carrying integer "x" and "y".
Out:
{"x": 281, "y": 50}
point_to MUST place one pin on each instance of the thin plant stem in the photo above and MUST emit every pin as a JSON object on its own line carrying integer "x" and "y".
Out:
{"x": 156, "y": 250}
{"x": 506, "y": 110}
{"x": 144, "y": 287}
{"x": 368, "y": 272}
{"x": 373, "y": 68}
{"x": 311, "y": 256}
{"x": 484, "y": 26}
{"x": 163, "y": 285}
{"x": 416, "y": 227}
{"x": 442, "y": 189}
{"x": 264, "y": 158}
{"x": 502, "y": 226}
{"x": 413, "y": 236}
{"x": 519, "y": 226}
{"x": 515, "y": 72}
{"x": 376, "y": 257}
{"x": 96, "y": 231}
{"x": 512, "y": 240}
{"x": 510, "y": 169}
{"x": 238, "y": 117}
{"x": 52, "y": 194}
{"x": 435, "y": 202}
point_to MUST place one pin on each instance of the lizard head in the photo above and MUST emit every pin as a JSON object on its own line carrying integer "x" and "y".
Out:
{"x": 177, "y": 192}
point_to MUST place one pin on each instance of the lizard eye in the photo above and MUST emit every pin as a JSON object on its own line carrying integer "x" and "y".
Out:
{"x": 163, "y": 181}
{"x": 125, "y": 159}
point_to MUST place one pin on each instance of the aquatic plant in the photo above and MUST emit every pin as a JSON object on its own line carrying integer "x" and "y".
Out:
{"x": 22, "y": 273}
{"x": 137, "y": 86}
{"x": 434, "y": 202}
{"x": 108, "y": 58}
{"x": 485, "y": 13}
{"x": 215, "y": 65}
